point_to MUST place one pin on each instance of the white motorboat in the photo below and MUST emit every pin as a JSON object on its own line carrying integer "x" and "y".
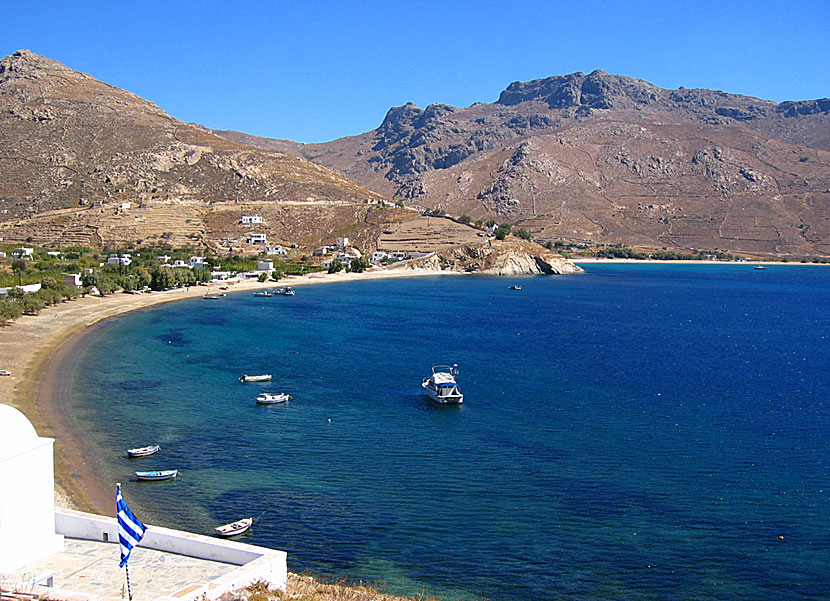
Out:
{"x": 442, "y": 387}
{"x": 267, "y": 398}
{"x": 259, "y": 378}
{"x": 263, "y": 293}
{"x": 144, "y": 451}
{"x": 286, "y": 291}
{"x": 234, "y": 528}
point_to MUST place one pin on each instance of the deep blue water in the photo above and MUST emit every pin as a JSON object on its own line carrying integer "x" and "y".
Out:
{"x": 640, "y": 431}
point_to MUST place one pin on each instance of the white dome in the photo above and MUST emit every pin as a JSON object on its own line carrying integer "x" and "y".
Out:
{"x": 16, "y": 432}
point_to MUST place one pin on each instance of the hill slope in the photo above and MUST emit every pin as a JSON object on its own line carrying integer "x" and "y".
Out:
{"x": 608, "y": 159}
{"x": 75, "y": 145}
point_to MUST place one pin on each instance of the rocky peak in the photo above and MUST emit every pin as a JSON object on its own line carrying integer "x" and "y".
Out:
{"x": 597, "y": 90}
{"x": 25, "y": 64}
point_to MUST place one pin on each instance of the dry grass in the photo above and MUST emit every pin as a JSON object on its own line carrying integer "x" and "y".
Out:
{"x": 306, "y": 588}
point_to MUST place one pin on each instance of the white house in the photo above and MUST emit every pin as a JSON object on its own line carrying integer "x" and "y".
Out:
{"x": 72, "y": 279}
{"x": 342, "y": 242}
{"x": 197, "y": 263}
{"x": 378, "y": 256}
{"x": 319, "y": 252}
{"x": 265, "y": 266}
{"x": 276, "y": 249}
{"x": 258, "y": 239}
{"x": 163, "y": 258}
{"x": 246, "y": 219}
{"x": 180, "y": 263}
{"x": 119, "y": 259}
{"x": 398, "y": 255}
{"x": 23, "y": 253}
{"x": 125, "y": 206}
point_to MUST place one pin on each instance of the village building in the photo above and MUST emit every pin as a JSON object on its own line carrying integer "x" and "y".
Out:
{"x": 24, "y": 252}
{"x": 258, "y": 239}
{"x": 251, "y": 219}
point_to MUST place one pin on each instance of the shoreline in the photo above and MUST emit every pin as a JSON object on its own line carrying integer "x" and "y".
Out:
{"x": 38, "y": 350}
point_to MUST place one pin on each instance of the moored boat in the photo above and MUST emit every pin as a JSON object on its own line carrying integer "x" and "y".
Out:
{"x": 259, "y": 378}
{"x": 157, "y": 475}
{"x": 441, "y": 386}
{"x": 234, "y": 528}
{"x": 263, "y": 293}
{"x": 515, "y": 287}
{"x": 285, "y": 291}
{"x": 211, "y": 296}
{"x": 144, "y": 451}
{"x": 267, "y": 398}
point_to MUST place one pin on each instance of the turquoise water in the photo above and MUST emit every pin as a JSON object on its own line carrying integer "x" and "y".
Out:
{"x": 638, "y": 431}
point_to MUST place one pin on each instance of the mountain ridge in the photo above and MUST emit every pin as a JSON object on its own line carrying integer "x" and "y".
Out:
{"x": 678, "y": 169}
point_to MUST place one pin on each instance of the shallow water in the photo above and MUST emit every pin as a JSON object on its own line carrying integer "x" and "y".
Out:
{"x": 637, "y": 431}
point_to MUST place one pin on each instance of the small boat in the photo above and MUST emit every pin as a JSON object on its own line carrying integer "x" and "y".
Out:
{"x": 441, "y": 386}
{"x": 267, "y": 398}
{"x": 212, "y": 296}
{"x": 263, "y": 293}
{"x": 760, "y": 267}
{"x": 515, "y": 287}
{"x": 144, "y": 451}
{"x": 5, "y": 372}
{"x": 286, "y": 291}
{"x": 157, "y": 475}
{"x": 234, "y": 528}
{"x": 260, "y": 378}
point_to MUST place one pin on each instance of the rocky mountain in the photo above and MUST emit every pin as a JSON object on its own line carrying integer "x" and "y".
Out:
{"x": 87, "y": 163}
{"x": 607, "y": 159}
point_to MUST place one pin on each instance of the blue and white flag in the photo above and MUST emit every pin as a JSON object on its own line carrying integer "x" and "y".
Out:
{"x": 130, "y": 528}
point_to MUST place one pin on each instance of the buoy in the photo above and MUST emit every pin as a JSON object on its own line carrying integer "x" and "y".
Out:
{"x": 781, "y": 537}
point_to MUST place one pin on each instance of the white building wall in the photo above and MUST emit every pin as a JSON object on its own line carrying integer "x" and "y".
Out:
{"x": 27, "y": 497}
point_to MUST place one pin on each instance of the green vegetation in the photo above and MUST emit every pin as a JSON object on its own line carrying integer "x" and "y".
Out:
{"x": 502, "y": 231}
{"x": 360, "y": 265}
{"x": 618, "y": 251}
{"x": 335, "y": 266}
{"x": 523, "y": 234}
{"x": 465, "y": 218}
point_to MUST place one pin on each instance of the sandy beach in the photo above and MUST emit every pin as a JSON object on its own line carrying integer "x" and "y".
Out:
{"x": 38, "y": 350}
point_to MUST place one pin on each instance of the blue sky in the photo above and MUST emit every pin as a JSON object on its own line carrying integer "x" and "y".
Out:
{"x": 317, "y": 70}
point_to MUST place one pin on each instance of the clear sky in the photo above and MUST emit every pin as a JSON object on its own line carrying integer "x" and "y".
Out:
{"x": 318, "y": 70}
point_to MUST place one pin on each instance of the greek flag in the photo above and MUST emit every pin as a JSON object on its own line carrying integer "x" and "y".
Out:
{"x": 130, "y": 528}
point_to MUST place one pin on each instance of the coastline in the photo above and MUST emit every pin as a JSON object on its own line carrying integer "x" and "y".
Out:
{"x": 38, "y": 350}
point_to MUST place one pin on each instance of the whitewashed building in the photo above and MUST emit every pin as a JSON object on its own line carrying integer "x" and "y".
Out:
{"x": 72, "y": 279}
{"x": 251, "y": 219}
{"x": 27, "y": 494}
{"x": 258, "y": 239}
{"x": 197, "y": 263}
{"x": 119, "y": 260}
{"x": 275, "y": 249}
{"x": 23, "y": 252}
{"x": 265, "y": 266}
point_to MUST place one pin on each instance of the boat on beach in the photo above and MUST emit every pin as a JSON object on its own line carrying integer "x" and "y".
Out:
{"x": 5, "y": 372}
{"x": 267, "y": 398}
{"x": 259, "y": 378}
{"x": 441, "y": 386}
{"x": 234, "y": 528}
{"x": 157, "y": 475}
{"x": 144, "y": 451}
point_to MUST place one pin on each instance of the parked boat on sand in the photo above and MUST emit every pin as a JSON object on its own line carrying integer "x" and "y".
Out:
{"x": 144, "y": 451}
{"x": 157, "y": 475}
{"x": 234, "y": 528}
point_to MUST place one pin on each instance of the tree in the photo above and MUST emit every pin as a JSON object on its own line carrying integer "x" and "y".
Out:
{"x": 523, "y": 234}
{"x": 465, "y": 218}
{"x": 502, "y": 231}
{"x": 19, "y": 267}
{"x": 262, "y": 277}
{"x": 335, "y": 266}
{"x": 360, "y": 264}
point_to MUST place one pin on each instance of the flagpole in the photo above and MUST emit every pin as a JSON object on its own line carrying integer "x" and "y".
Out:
{"x": 129, "y": 590}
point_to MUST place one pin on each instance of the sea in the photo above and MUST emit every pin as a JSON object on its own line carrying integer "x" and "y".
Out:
{"x": 640, "y": 431}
